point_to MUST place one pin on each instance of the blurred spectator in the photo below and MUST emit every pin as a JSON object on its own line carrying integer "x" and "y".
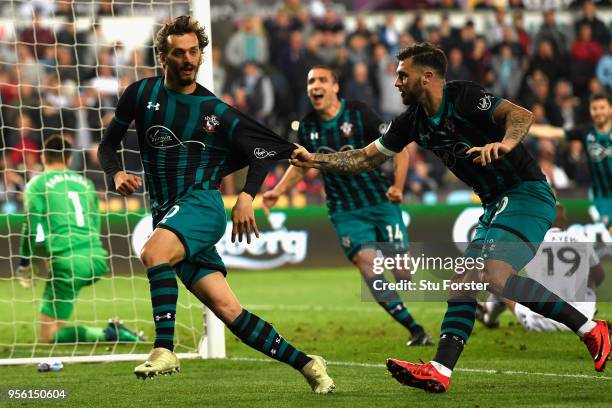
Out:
{"x": 328, "y": 50}
{"x": 249, "y": 43}
{"x": 37, "y": 38}
{"x": 28, "y": 69}
{"x": 329, "y": 22}
{"x": 358, "y": 86}
{"x": 585, "y": 54}
{"x": 358, "y": 50}
{"x": 76, "y": 42}
{"x": 522, "y": 35}
{"x": 508, "y": 74}
{"x": 57, "y": 115}
{"x": 25, "y": 154}
{"x": 495, "y": 28}
{"x": 389, "y": 34}
{"x": 390, "y": 99}
{"x": 550, "y": 32}
{"x": 417, "y": 29}
{"x": 457, "y": 70}
{"x": 66, "y": 67}
{"x": 554, "y": 174}
{"x": 600, "y": 33}
{"x": 510, "y": 40}
{"x": 451, "y": 36}
{"x": 296, "y": 60}
{"x": 312, "y": 186}
{"x": 567, "y": 104}
{"x": 278, "y": 29}
{"x": 294, "y": 8}
{"x": 29, "y": 103}
{"x": 361, "y": 29}
{"x": 604, "y": 69}
{"x": 467, "y": 37}
{"x": 546, "y": 60}
{"x": 479, "y": 62}
{"x": 254, "y": 89}
{"x": 585, "y": 48}
{"x": 219, "y": 71}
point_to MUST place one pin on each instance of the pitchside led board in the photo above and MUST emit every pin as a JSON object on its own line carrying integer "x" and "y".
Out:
{"x": 305, "y": 237}
{"x": 300, "y": 237}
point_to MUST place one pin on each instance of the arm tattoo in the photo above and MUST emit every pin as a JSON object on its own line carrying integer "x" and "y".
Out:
{"x": 349, "y": 162}
{"x": 518, "y": 122}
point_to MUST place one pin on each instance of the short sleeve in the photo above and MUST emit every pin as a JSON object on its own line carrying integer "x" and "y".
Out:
{"x": 475, "y": 104}
{"x": 398, "y": 135}
{"x": 125, "y": 110}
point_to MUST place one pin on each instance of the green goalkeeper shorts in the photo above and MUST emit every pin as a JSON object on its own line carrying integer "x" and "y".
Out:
{"x": 67, "y": 276}
{"x": 514, "y": 224}
{"x": 369, "y": 226}
{"x": 198, "y": 220}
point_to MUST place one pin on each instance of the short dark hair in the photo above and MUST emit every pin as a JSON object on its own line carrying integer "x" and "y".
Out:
{"x": 333, "y": 72}
{"x": 427, "y": 55}
{"x": 600, "y": 95}
{"x": 179, "y": 26}
{"x": 57, "y": 150}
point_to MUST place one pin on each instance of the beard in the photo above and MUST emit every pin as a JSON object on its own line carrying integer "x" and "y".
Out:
{"x": 411, "y": 97}
{"x": 176, "y": 72}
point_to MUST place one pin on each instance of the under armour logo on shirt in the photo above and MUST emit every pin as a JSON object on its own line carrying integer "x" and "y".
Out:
{"x": 150, "y": 105}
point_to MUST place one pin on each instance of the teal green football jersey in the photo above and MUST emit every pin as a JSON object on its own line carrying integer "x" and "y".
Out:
{"x": 598, "y": 148}
{"x": 355, "y": 126}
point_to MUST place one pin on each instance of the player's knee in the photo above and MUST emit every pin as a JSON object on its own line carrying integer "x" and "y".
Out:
{"x": 150, "y": 257}
{"x": 46, "y": 333}
{"x": 226, "y": 311}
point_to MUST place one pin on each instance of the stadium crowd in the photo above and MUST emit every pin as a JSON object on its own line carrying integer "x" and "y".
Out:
{"x": 66, "y": 80}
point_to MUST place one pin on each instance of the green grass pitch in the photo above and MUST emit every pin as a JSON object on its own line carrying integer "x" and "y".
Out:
{"x": 320, "y": 312}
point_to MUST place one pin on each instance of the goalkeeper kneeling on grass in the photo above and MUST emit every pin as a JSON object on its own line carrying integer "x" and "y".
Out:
{"x": 62, "y": 205}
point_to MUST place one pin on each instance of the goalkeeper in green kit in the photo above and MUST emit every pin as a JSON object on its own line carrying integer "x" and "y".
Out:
{"x": 62, "y": 205}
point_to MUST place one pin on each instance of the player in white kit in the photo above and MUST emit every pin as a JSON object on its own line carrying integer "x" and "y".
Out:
{"x": 566, "y": 263}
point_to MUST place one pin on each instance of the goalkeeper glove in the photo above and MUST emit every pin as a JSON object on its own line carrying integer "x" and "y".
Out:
{"x": 25, "y": 276}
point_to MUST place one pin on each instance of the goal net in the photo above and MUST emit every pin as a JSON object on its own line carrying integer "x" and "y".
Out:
{"x": 63, "y": 65}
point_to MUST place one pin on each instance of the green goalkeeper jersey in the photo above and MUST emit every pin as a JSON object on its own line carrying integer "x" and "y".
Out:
{"x": 61, "y": 209}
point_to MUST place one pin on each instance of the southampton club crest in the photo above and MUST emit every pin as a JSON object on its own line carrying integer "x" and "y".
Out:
{"x": 211, "y": 123}
{"x": 347, "y": 129}
{"x": 346, "y": 241}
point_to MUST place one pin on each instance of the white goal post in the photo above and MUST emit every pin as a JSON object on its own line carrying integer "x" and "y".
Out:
{"x": 123, "y": 292}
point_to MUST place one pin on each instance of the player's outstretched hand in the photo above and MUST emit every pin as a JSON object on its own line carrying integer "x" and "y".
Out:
{"x": 269, "y": 200}
{"x": 243, "y": 218}
{"x": 489, "y": 153}
{"x": 126, "y": 184}
{"x": 395, "y": 195}
{"x": 301, "y": 157}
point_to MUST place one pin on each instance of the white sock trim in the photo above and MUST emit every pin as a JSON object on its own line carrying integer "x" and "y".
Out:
{"x": 585, "y": 328}
{"x": 442, "y": 369}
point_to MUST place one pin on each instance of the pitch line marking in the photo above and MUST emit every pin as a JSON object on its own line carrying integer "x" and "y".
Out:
{"x": 467, "y": 370}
